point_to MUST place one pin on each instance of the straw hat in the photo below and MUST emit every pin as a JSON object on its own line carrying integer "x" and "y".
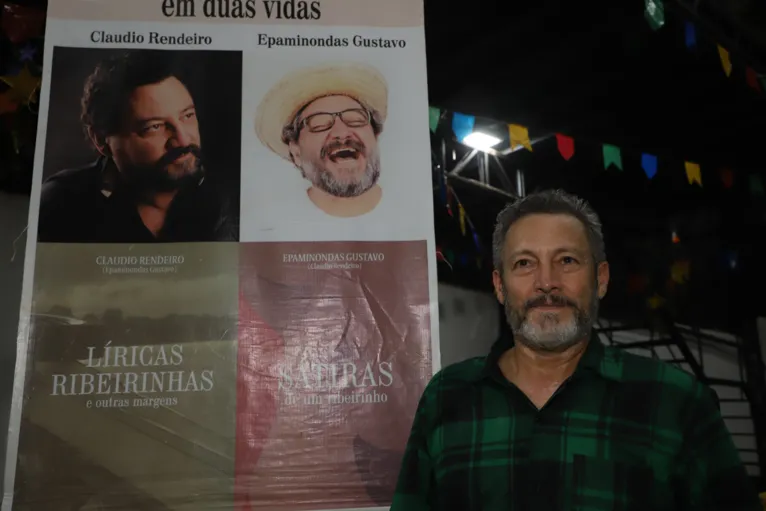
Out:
{"x": 295, "y": 90}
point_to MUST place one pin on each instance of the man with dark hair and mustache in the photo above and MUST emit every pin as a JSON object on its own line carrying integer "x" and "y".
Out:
{"x": 149, "y": 183}
{"x": 326, "y": 121}
{"x": 554, "y": 420}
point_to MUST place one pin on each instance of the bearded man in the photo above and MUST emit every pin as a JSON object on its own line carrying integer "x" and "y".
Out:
{"x": 555, "y": 420}
{"x": 326, "y": 121}
{"x": 149, "y": 183}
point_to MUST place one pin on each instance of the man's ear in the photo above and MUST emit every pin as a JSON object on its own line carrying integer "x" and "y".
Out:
{"x": 295, "y": 153}
{"x": 98, "y": 142}
{"x": 497, "y": 281}
{"x": 602, "y": 277}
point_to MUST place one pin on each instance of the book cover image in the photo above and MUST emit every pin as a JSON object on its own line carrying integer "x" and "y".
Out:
{"x": 130, "y": 386}
{"x": 334, "y": 353}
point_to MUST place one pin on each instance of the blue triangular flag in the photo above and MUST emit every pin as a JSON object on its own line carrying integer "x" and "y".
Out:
{"x": 649, "y": 164}
{"x": 691, "y": 35}
{"x": 462, "y": 125}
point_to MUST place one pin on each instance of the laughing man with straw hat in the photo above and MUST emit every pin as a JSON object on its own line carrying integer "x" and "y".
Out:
{"x": 326, "y": 121}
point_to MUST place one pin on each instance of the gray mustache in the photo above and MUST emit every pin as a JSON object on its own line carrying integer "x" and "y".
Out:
{"x": 543, "y": 300}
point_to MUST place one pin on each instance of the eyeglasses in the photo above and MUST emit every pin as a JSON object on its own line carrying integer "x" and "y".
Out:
{"x": 323, "y": 121}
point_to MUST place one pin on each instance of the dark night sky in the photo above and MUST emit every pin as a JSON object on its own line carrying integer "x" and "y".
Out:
{"x": 596, "y": 71}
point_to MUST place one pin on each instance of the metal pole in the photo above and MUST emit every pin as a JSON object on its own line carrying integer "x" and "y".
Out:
{"x": 520, "y": 186}
{"x": 464, "y": 162}
{"x": 479, "y": 184}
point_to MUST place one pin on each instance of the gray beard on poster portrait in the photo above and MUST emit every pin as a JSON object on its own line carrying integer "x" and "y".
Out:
{"x": 94, "y": 204}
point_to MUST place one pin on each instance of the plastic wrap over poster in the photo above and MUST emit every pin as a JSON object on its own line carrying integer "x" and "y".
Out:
{"x": 229, "y": 297}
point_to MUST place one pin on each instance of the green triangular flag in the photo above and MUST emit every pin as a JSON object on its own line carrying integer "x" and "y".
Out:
{"x": 433, "y": 117}
{"x": 612, "y": 156}
{"x": 655, "y": 13}
{"x": 756, "y": 185}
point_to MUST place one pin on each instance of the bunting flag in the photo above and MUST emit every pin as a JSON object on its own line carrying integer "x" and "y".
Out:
{"x": 461, "y": 211}
{"x": 679, "y": 272}
{"x": 612, "y": 156}
{"x": 476, "y": 240}
{"x": 462, "y": 125}
{"x": 725, "y": 60}
{"x": 751, "y": 77}
{"x": 727, "y": 178}
{"x": 756, "y": 185}
{"x": 655, "y": 13}
{"x": 691, "y": 35}
{"x": 519, "y": 136}
{"x": 434, "y": 114}
{"x": 8, "y": 102}
{"x": 693, "y": 173}
{"x": 566, "y": 146}
{"x": 23, "y": 85}
{"x": 656, "y": 301}
{"x": 649, "y": 164}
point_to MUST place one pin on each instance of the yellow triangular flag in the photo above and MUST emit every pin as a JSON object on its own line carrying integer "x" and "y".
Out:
{"x": 519, "y": 136}
{"x": 656, "y": 301}
{"x": 693, "y": 173}
{"x": 725, "y": 60}
{"x": 680, "y": 271}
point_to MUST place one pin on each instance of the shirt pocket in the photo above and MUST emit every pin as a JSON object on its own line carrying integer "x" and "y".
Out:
{"x": 608, "y": 484}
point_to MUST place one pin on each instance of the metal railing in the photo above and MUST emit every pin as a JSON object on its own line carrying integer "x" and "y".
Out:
{"x": 686, "y": 347}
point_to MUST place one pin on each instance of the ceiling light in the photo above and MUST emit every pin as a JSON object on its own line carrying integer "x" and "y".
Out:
{"x": 481, "y": 141}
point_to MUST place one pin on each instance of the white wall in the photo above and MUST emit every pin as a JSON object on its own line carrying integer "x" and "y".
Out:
{"x": 469, "y": 322}
{"x": 13, "y": 219}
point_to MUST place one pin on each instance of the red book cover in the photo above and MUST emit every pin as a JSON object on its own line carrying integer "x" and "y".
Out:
{"x": 334, "y": 353}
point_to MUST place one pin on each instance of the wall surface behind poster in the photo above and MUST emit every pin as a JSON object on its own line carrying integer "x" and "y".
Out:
{"x": 229, "y": 295}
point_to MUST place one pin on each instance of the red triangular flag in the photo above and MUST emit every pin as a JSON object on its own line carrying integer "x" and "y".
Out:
{"x": 727, "y": 176}
{"x": 752, "y": 79}
{"x": 566, "y": 146}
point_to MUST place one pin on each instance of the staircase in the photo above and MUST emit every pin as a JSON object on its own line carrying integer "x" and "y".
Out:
{"x": 731, "y": 365}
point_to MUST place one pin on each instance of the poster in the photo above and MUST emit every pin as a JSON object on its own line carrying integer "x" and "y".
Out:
{"x": 229, "y": 297}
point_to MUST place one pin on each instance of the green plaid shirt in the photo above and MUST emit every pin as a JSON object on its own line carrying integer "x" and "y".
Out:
{"x": 623, "y": 433}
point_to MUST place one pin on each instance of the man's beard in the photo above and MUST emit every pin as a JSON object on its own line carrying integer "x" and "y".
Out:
{"x": 316, "y": 171}
{"x": 158, "y": 177}
{"x": 551, "y": 334}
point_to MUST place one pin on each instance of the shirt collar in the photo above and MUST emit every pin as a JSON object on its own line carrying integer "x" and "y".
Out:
{"x": 596, "y": 360}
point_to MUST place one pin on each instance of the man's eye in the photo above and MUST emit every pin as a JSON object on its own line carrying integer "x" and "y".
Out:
{"x": 568, "y": 260}
{"x": 522, "y": 263}
{"x": 151, "y": 128}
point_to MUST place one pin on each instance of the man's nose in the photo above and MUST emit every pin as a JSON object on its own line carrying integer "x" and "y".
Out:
{"x": 180, "y": 136}
{"x": 547, "y": 278}
{"x": 339, "y": 129}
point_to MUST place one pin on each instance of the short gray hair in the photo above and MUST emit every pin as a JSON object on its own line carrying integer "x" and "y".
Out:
{"x": 554, "y": 202}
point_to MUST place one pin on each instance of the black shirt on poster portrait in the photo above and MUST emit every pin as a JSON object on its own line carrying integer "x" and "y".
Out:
{"x": 88, "y": 205}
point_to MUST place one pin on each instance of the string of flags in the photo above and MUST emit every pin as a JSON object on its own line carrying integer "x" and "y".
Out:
{"x": 654, "y": 13}
{"x": 463, "y": 124}
{"x": 449, "y": 198}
